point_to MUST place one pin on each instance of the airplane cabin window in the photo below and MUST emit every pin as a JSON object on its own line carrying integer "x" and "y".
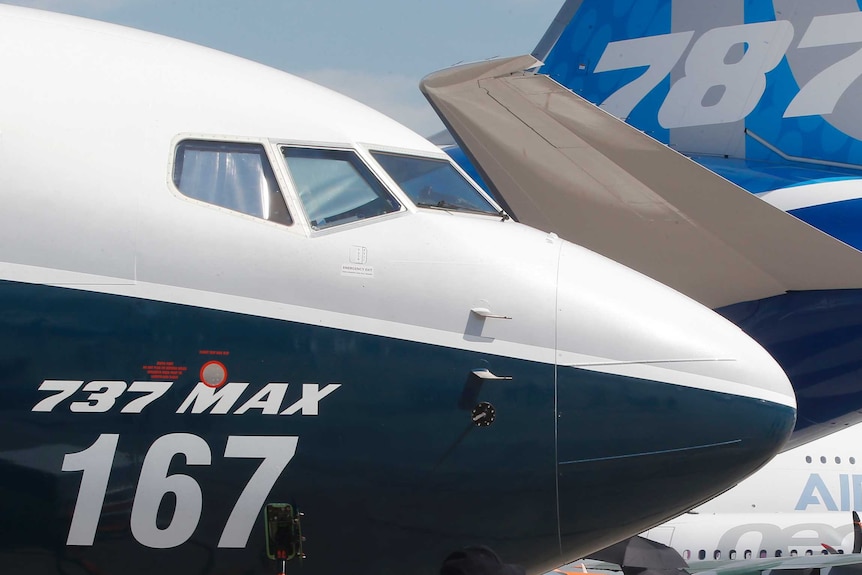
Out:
{"x": 335, "y": 187}
{"x": 732, "y": 554}
{"x": 434, "y": 183}
{"x": 822, "y": 459}
{"x": 686, "y": 554}
{"x": 747, "y": 554}
{"x": 701, "y": 554}
{"x": 837, "y": 460}
{"x": 852, "y": 461}
{"x": 716, "y": 554}
{"x": 778, "y": 552}
{"x": 807, "y": 459}
{"x": 794, "y": 552}
{"x": 809, "y": 552}
{"x": 233, "y": 175}
{"x": 762, "y": 554}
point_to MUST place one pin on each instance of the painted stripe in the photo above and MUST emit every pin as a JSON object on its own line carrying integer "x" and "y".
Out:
{"x": 814, "y": 194}
{"x": 653, "y": 369}
{"x": 648, "y": 453}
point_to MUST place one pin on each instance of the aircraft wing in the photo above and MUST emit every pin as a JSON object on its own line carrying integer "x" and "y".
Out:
{"x": 562, "y": 164}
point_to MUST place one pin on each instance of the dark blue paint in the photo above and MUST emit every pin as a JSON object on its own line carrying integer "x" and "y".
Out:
{"x": 391, "y": 474}
{"x": 816, "y": 336}
{"x": 608, "y": 430}
{"x": 838, "y": 219}
{"x": 759, "y": 176}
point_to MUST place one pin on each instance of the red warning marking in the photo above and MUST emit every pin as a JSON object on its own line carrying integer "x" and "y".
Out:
{"x": 213, "y": 374}
{"x": 165, "y": 371}
{"x": 213, "y": 352}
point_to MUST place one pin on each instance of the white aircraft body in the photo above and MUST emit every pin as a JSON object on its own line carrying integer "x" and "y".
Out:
{"x": 228, "y": 295}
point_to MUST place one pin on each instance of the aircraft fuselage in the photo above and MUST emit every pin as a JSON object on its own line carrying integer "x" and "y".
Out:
{"x": 196, "y": 322}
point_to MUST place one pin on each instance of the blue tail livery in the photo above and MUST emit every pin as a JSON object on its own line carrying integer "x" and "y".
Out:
{"x": 763, "y": 92}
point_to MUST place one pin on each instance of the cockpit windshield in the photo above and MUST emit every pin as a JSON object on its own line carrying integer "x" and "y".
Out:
{"x": 434, "y": 183}
{"x": 335, "y": 187}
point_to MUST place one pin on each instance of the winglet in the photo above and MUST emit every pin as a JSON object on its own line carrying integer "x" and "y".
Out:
{"x": 563, "y": 165}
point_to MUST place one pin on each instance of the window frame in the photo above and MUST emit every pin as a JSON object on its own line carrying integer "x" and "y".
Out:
{"x": 275, "y": 171}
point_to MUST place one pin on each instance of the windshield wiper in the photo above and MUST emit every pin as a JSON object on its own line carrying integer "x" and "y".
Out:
{"x": 444, "y": 205}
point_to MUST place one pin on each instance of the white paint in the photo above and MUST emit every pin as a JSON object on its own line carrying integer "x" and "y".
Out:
{"x": 154, "y": 483}
{"x": 816, "y": 194}
{"x": 152, "y": 390}
{"x": 821, "y": 94}
{"x": 95, "y": 462}
{"x": 742, "y": 83}
{"x": 276, "y": 453}
{"x": 103, "y": 397}
{"x": 659, "y": 53}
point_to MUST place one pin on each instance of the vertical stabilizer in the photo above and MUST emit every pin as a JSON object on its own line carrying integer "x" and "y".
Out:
{"x": 773, "y": 80}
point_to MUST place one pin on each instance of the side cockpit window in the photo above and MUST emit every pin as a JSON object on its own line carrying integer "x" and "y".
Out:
{"x": 335, "y": 187}
{"x": 434, "y": 183}
{"x": 233, "y": 175}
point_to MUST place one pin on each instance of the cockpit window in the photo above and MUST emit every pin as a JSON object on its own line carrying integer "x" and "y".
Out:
{"x": 233, "y": 175}
{"x": 335, "y": 187}
{"x": 433, "y": 183}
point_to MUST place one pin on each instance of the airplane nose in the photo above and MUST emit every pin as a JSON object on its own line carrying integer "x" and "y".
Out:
{"x": 685, "y": 403}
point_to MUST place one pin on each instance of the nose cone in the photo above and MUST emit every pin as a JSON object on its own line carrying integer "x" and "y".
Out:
{"x": 685, "y": 404}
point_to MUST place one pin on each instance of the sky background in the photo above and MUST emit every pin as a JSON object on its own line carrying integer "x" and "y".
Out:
{"x": 375, "y": 51}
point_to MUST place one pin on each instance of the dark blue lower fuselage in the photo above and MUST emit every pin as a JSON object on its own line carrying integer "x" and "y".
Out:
{"x": 391, "y": 473}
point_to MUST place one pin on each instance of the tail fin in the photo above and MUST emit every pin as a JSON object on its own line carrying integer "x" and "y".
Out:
{"x": 774, "y": 80}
